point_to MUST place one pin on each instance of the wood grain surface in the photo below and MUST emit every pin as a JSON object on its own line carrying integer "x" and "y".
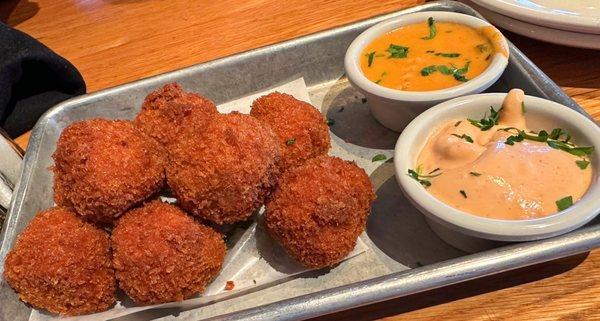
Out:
{"x": 116, "y": 41}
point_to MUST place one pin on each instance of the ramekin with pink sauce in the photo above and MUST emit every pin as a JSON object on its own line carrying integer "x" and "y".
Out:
{"x": 470, "y": 232}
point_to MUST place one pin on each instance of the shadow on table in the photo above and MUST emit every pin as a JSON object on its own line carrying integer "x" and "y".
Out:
{"x": 459, "y": 291}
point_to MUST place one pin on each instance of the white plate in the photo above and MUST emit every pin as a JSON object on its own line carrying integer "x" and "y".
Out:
{"x": 561, "y": 37}
{"x": 570, "y": 15}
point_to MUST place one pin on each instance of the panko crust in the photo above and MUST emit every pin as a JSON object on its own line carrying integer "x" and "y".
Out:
{"x": 302, "y": 131}
{"x": 168, "y": 109}
{"x": 161, "y": 254}
{"x": 224, "y": 172}
{"x": 319, "y": 209}
{"x": 62, "y": 264}
{"x": 104, "y": 167}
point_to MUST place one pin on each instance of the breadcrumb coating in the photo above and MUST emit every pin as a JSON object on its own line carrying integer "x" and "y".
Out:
{"x": 62, "y": 264}
{"x": 161, "y": 254}
{"x": 104, "y": 167}
{"x": 302, "y": 131}
{"x": 319, "y": 209}
{"x": 224, "y": 172}
{"x": 168, "y": 109}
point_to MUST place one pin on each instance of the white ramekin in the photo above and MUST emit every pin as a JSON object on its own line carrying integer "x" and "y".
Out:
{"x": 396, "y": 108}
{"x": 466, "y": 231}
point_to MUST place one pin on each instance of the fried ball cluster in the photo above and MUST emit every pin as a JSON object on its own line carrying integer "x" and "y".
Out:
{"x": 319, "y": 210}
{"x": 224, "y": 172}
{"x": 104, "y": 167}
{"x": 167, "y": 110}
{"x": 163, "y": 255}
{"x": 62, "y": 264}
{"x": 302, "y": 131}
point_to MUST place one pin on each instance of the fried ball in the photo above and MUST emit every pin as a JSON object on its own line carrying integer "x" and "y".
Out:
{"x": 104, "y": 167}
{"x": 161, "y": 254}
{"x": 168, "y": 109}
{"x": 302, "y": 131}
{"x": 62, "y": 264}
{"x": 319, "y": 210}
{"x": 224, "y": 172}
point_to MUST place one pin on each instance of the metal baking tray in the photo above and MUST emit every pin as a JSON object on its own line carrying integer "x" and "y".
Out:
{"x": 405, "y": 257}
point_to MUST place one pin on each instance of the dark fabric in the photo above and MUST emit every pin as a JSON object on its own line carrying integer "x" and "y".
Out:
{"x": 32, "y": 79}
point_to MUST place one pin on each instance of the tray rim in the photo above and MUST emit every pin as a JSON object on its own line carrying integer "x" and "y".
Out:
{"x": 373, "y": 290}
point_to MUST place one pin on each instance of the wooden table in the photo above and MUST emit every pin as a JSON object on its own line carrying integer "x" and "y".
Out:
{"x": 116, "y": 41}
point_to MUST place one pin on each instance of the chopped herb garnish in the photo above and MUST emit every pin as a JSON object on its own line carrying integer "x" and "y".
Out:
{"x": 460, "y": 77}
{"x": 564, "y": 203}
{"x": 457, "y": 123}
{"x": 330, "y": 122}
{"x": 552, "y": 139}
{"x": 523, "y": 107}
{"x": 435, "y": 170}
{"x": 463, "y": 193}
{"x": 475, "y": 174}
{"x": 483, "y": 47}
{"x": 397, "y": 51}
{"x": 462, "y": 70}
{"x": 378, "y": 157}
{"x": 370, "y": 57}
{"x": 448, "y": 55}
{"x": 583, "y": 164}
{"x": 486, "y": 123}
{"x": 428, "y": 70}
{"x": 290, "y": 142}
{"x": 383, "y": 74}
{"x": 432, "y": 29}
{"x": 423, "y": 179}
{"x": 445, "y": 70}
{"x": 465, "y": 137}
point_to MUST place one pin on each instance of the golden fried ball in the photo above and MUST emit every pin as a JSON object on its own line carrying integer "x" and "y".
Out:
{"x": 302, "y": 131}
{"x": 319, "y": 209}
{"x": 168, "y": 109}
{"x": 62, "y": 264}
{"x": 161, "y": 254}
{"x": 224, "y": 172}
{"x": 104, "y": 167}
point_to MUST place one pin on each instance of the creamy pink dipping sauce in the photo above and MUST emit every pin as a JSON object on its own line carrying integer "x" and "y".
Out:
{"x": 492, "y": 179}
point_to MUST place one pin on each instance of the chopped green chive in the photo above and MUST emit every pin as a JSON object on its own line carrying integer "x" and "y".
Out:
{"x": 397, "y": 51}
{"x": 432, "y": 29}
{"x": 370, "y": 57}
{"x": 378, "y": 157}
{"x": 564, "y": 203}
{"x": 475, "y": 174}
{"x": 583, "y": 164}
{"x": 465, "y": 137}
{"x": 487, "y": 122}
{"x": 457, "y": 123}
{"x": 290, "y": 142}
{"x": 457, "y": 73}
{"x": 330, "y": 122}
{"x": 463, "y": 193}
{"x": 383, "y": 74}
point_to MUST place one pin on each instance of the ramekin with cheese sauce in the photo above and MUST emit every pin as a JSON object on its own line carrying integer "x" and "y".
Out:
{"x": 503, "y": 167}
{"x": 409, "y": 63}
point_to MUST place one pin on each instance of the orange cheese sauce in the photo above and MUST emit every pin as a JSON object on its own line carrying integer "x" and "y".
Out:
{"x": 520, "y": 181}
{"x": 469, "y": 46}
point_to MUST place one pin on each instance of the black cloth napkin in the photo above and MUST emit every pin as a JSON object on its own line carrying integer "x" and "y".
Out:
{"x": 32, "y": 79}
